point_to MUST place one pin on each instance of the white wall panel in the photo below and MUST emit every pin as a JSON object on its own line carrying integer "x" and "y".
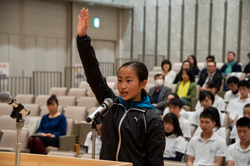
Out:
{"x": 4, "y": 46}
{"x": 15, "y": 58}
{"x": 51, "y": 45}
{"x": 29, "y": 55}
{"x": 41, "y": 57}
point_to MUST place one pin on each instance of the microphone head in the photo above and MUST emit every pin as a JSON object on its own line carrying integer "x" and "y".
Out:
{"x": 5, "y": 97}
{"x": 108, "y": 102}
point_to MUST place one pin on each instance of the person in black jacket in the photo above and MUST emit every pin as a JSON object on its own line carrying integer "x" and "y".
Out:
{"x": 211, "y": 75}
{"x": 193, "y": 63}
{"x": 247, "y": 68}
{"x": 132, "y": 131}
{"x": 231, "y": 65}
{"x": 185, "y": 65}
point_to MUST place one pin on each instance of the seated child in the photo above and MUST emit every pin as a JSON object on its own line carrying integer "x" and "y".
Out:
{"x": 183, "y": 113}
{"x": 239, "y": 153}
{"x": 208, "y": 148}
{"x": 175, "y": 143}
{"x": 246, "y": 113}
{"x": 98, "y": 140}
{"x": 206, "y": 99}
{"x": 175, "y": 106}
{"x": 221, "y": 131}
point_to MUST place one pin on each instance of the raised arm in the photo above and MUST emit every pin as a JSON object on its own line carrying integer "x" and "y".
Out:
{"x": 90, "y": 64}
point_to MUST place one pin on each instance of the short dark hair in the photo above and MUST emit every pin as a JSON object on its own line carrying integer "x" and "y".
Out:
{"x": 243, "y": 83}
{"x": 247, "y": 105}
{"x": 216, "y": 114}
{"x": 210, "y": 57}
{"x": 211, "y": 84}
{"x": 52, "y": 99}
{"x": 175, "y": 102}
{"x": 157, "y": 75}
{"x": 174, "y": 94}
{"x": 166, "y": 61}
{"x": 208, "y": 114}
{"x": 243, "y": 122}
{"x": 213, "y": 62}
{"x": 233, "y": 79}
{"x": 173, "y": 119}
{"x": 231, "y": 52}
{"x": 190, "y": 75}
{"x": 208, "y": 94}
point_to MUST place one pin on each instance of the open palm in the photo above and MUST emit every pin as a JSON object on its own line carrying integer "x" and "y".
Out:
{"x": 82, "y": 22}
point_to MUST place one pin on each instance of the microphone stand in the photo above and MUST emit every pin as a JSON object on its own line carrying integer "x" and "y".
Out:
{"x": 19, "y": 124}
{"x": 94, "y": 134}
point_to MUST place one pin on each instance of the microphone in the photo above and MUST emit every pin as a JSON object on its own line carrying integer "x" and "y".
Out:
{"x": 5, "y": 97}
{"x": 104, "y": 106}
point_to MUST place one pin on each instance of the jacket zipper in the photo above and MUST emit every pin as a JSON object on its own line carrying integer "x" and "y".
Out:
{"x": 119, "y": 129}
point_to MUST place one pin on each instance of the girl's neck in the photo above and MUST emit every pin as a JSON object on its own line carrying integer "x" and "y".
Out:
{"x": 165, "y": 73}
{"x": 185, "y": 81}
{"x": 53, "y": 114}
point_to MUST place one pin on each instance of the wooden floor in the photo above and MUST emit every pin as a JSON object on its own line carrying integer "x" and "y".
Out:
{"x": 8, "y": 159}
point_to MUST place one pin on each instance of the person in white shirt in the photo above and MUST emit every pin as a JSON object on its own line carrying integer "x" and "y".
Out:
{"x": 98, "y": 140}
{"x": 221, "y": 131}
{"x": 208, "y": 148}
{"x": 239, "y": 153}
{"x": 175, "y": 144}
{"x": 175, "y": 106}
{"x": 235, "y": 107}
{"x": 218, "y": 101}
{"x": 183, "y": 113}
{"x": 167, "y": 72}
{"x": 233, "y": 93}
{"x": 246, "y": 113}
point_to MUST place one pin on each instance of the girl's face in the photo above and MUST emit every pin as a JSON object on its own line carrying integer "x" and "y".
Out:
{"x": 184, "y": 76}
{"x": 128, "y": 84}
{"x": 168, "y": 127}
{"x": 52, "y": 107}
{"x": 166, "y": 67}
{"x": 186, "y": 65}
{"x": 99, "y": 126}
{"x": 206, "y": 102}
{"x": 191, "y": 60}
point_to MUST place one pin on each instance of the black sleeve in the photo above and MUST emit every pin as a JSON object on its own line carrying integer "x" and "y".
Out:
{"x": 90, "y": 64}
{"x": 232, "y": 141}
{"x": 176, "y": 80}
{"x": 178, "y": 157}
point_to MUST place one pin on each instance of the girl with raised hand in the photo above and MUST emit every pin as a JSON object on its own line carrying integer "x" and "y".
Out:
{"x": 132, "y": 131}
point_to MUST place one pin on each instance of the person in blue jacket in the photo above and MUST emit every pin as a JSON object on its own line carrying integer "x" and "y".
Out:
{"x": 52, "y": 126}
{"x": 132, "y": 131}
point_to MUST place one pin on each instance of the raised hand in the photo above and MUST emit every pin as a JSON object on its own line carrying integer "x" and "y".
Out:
{"x": 82, "y": 22}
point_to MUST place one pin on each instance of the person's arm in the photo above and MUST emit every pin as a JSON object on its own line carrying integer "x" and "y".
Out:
{"x": 177, "y": 87}
{"x": 192, "y": 92}
{"x": 62, "y": 128}
{"x": 238, "y": 68}
{"x": 230, "y": 163}
{"x": 155, "y": 139}
{"x": 218, "y": 161}
{"x": 40, "y": 128}
{"x": 190, "y": 160}
{"x": 90, "y": 64}
{"x": 171, "y": 78}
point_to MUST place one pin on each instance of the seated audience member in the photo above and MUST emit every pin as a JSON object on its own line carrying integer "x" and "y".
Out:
{"x": 167, "y": 72}
{"x": 239, "y": 153}
{"x": 186, "y": 89}
{"x": 185, "y": 65}
{"x": 206, "y": 99}
{"x": 98, "y": 140}
{"x": 246, "y": 113}
{"x": 193, "y": 63}
{"x": 175, "y": 144}
{"x": 175, "y": 106}
{"x": 233, "y": 93}
{"x": 210, "y": 58}
{"x": 159, "y": 94}
{"x": 52, "y": 126}
{"x": 221, "y": 131}
{"x": 235, "y": 107}
{"x": 183, "y": 113}
{"x": 231, "y": 65}
{"x": 218, "y": 101}
{"x": 247, "y": 68}
{"x": 207, "y": 148}
{"x": 211, "y": 75}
